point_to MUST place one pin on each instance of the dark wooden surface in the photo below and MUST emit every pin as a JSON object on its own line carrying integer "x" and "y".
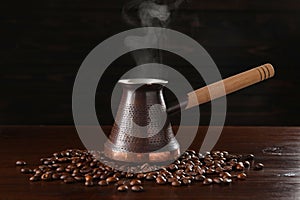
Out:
{"x": 277, "y": 147}
{"x": 43, "y": 44}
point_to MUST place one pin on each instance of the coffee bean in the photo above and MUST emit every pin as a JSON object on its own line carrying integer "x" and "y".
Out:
{"x": 249, "y": 157}
{"x": 219, "y": 169}
{"x": 120, "y": 182}
{"x": 233, "y": 162}
{"x": 117, "y": 175}
{"x": 79, "y": 178}
{"x": 210, "y": 171}
{"x": 218, "y": 180}
{"x": 88, "y": 178}
{"x": 93, "y": 164}
{"x": 102, "y": 183}
{"x": 186, "y": 181}
{"x": 200, "y": 170}
{"x": 88, "y": 183}
{"x": 154, "y": 173}
{"x": 188, "y": 177}
{"x": 109, "y": 169}
{"x": 247, "y": 164}
{"x": 103, "y": 177}
{"x": 69, "y": 180}
{"x": 56, "y": 154}
{"x": 49, "y": 172}
{"x": 199, "y": 177}
{"x": 96, "y": 176}
{"x": 21, "y": 163}
{"x": 242, "y": 176}
{"x": 135, "y": 182}
{"x": 43, "y": 167}
{"x": 222, "y": 161}
{"x": 64, "y": 176}
{"x": 85, "y": 170}
{"x": 191, "y": 174}
{"x": 130, "y": 175}
{"x": 43, "y": 159}
{"x": 191, "y": 152}
{"x": 73, "y": 165}
{"x": 207, "y": 181}
{"x": 35, "y": 178}
{"x": 36, "y": 169}
{"x": 176, "y": 162}
{"x": 112, "y": 179}
{"x": 225, "y": 175}
{"x": 62, "y": 160}
{"x": 171, "y": 179}
{"x": 122, "y": 188}
{"x": 83, "y": 158}
{"x": 109, "y": 173}
{"x": 38, "y": 173}
{"x": 79, "y": 164}
{"x": 227, "y": 168}
{"x": 165, "y": 173}
{"x": 137, "y": 188}
{"x": 60, "y": 169}
{"x": 26, "y": 171}
{"x": 141, "y": 176}
{"x": 227, "y": 180}
{"x": 172, "y": 167}
{"x": 231, "y": 156}
{"x": 259, "y": 166}
{"x": 161, "y": 180}
{"x": 150, "y": 177}
{"x": 176, "y": 183}
{"x": 46, "y": 177}
{"x": 225, "y": 153}
{"x": 179, "y": 172}
{"x": 96, "y": 171}
{"x": 239, "y": 166}
{"x": 55, "y": 176}
{"x": 47, "y": 162}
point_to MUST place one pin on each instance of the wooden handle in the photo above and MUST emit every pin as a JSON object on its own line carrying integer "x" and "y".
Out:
{"x": 229, "y": 85}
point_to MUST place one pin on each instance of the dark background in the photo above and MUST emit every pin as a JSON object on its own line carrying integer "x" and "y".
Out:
{"x": 43, "y": 44}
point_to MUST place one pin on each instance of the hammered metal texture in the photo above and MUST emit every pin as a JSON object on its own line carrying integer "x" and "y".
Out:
{"x": 135, "y": 108}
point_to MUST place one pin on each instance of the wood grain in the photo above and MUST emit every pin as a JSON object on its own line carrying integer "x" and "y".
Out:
{"x": 229, "y": 85}
{"x": 277, "y": 147}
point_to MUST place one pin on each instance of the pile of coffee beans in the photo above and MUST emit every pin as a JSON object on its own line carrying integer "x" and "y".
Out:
{"x": 81, "y": 166}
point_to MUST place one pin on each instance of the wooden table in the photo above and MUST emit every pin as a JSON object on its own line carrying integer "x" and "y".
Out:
{"x": 277, "y": 147}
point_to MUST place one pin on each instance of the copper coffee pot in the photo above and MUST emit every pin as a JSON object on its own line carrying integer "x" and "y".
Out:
{"x": 142, "y": 131}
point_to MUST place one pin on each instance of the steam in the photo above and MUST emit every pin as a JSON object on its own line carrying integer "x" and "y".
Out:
{"x": 147, "y": 13}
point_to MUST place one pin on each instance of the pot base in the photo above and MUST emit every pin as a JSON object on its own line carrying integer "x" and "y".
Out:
{"x": 161, "y": 155}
